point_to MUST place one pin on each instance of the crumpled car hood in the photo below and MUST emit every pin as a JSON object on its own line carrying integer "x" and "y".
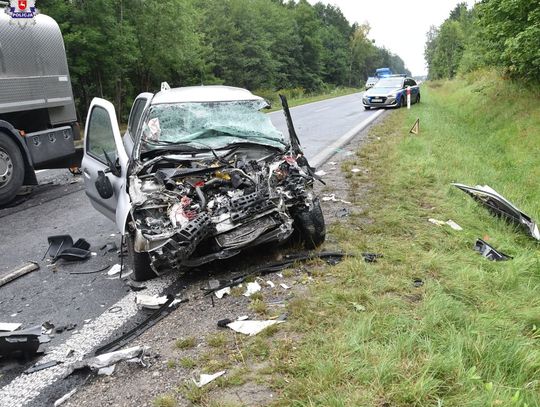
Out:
{"x": 188, "y": 210}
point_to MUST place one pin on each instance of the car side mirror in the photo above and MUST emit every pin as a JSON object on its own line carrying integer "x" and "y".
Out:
{"x": 104, "y": 186}
{"x": 114, "y": 168}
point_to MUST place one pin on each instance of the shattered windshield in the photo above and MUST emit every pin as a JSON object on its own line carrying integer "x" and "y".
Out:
{"x": 210, "y": 125}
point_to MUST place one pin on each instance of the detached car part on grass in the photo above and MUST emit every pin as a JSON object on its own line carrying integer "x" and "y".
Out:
{"x": 200, "y": 175}
{"x": 501, "y": 207}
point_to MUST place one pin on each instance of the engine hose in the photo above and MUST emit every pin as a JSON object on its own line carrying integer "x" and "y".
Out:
{"x": 201, "y": 197}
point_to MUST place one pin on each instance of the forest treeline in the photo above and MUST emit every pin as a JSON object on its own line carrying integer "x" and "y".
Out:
{"x": 493, "y": 33}
{"x": 118, "y": 48}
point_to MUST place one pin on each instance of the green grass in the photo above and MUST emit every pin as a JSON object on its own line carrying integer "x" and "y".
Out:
{"x": 469, "y": 335}
{"x": 185, "y": 343}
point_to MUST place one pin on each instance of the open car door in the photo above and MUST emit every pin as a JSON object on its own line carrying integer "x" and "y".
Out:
{"x": 105, "y": 161}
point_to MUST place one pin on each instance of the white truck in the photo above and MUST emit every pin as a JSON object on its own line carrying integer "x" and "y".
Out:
{"x": 38, "y": 121}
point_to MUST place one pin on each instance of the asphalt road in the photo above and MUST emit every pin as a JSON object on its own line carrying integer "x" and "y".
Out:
{"x": 59, "y": 206}
{"x": 318, "y": 124}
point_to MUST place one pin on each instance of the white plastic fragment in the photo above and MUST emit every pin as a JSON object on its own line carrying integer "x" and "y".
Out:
{"x": 449, "y": 222}
{"x": 107, "y": 371}
{"x": 320, "y": 173}
{"x": 355, "y": 170}
{"x": 270, "y": 284}
{"x": 252, "y": 288}
{"x": 150, "y": 301}
{"x": 114, "y": 270}
{"x": 285, "y": 286}
{"x": 9, "y": 326}
{"x": 332, "y": 197}
{"x": 64, "y": 398}
{"x": 332, "y": 162}
{"x": 107, "y": 359}
{"x": 251, "y": 328}
{"x": 280, "y": 275}
{"x": 242, "y": 318}
{"x": 453, "y": 225}
{"x": 224, "y": 291}
{"x": 207, "y": 378}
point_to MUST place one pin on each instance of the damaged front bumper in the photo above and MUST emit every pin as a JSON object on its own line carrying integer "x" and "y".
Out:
{"x": 197, "y": 212}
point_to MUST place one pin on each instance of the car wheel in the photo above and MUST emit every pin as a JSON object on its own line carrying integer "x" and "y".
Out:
{"x": 11, "y": 169}
{"x": 403, "y": 101}
{"x": 310, "y": 225}
{"x": 139, "y": 261}
{"x": 418, "y": 98}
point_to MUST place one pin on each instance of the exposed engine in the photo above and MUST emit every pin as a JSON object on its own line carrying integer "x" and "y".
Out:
{"x": 189, "y": 211}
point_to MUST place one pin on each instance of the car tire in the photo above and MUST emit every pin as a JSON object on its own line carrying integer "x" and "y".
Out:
{"x": 310, "y": 225}
{"x": 403, "y": 101}
{"x": 418, "y": 98}
{"x": 11, "y": 168}
{"x": 139, "y": 261}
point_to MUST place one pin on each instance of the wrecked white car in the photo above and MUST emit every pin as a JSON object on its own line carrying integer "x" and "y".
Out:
{"x": 200, "y": 174}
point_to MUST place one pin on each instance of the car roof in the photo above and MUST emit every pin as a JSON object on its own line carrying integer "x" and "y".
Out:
{"x": 198, "y": 94}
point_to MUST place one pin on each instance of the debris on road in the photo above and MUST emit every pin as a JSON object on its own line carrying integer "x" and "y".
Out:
{"x": 371, "y": 257}
{"x": 288, "y": 260}
{"x": 252, "y": 288}
{"x": 449, "y": 222}
{"x": 270, "y": 284}
{"x": 224, "y": 291}
{"x": 501, "y": 207}
{"x": 204, "y": 379}
{"x": 90, "y": 272}
{"x": 104, "y": 360}
{"x": 106, "y": 371}
{"x": 9, "y": 326}
{"x": 251, "y": 328}
{"x": 320, "y": 173}
{"x": 150, "y": 301}
{"x": 418, "y": 282}
{"x": 22, "y": 342}
{"x": 285, "y": 286}
{"x": 42, "y": 366}
{"x": 135, "y": 286}
{"x": 332, "y": 198}
{"x": 18, "y": 272}
{"x": 64, "y": 398}
{"x": 152, "y": 319}
{"x": 114, "y": 270}
{"x": 63, "y": 248}
{"x": 358, "y": 307}
{"x": 489, "y": 252}
{"x": 342, "y": 213}
{"x": 355, "y": 170}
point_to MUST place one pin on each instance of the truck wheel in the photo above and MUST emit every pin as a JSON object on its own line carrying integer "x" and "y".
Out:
{"x": 139, "y": 261}
{"x": 11, "y": 169}
{"x": 310, "y": 225}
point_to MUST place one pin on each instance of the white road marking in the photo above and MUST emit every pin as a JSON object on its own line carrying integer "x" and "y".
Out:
{"x": 329, "y": 151}
{"x": 27, "y": 387}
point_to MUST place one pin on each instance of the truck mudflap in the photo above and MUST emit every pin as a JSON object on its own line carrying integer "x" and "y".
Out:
{"x": 51, "y": 146}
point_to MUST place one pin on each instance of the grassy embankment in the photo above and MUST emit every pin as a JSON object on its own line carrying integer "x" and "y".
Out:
{"x": 470, "y": 336}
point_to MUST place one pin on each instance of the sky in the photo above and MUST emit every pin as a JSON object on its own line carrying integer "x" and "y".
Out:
{"x": 399, "y": 25}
